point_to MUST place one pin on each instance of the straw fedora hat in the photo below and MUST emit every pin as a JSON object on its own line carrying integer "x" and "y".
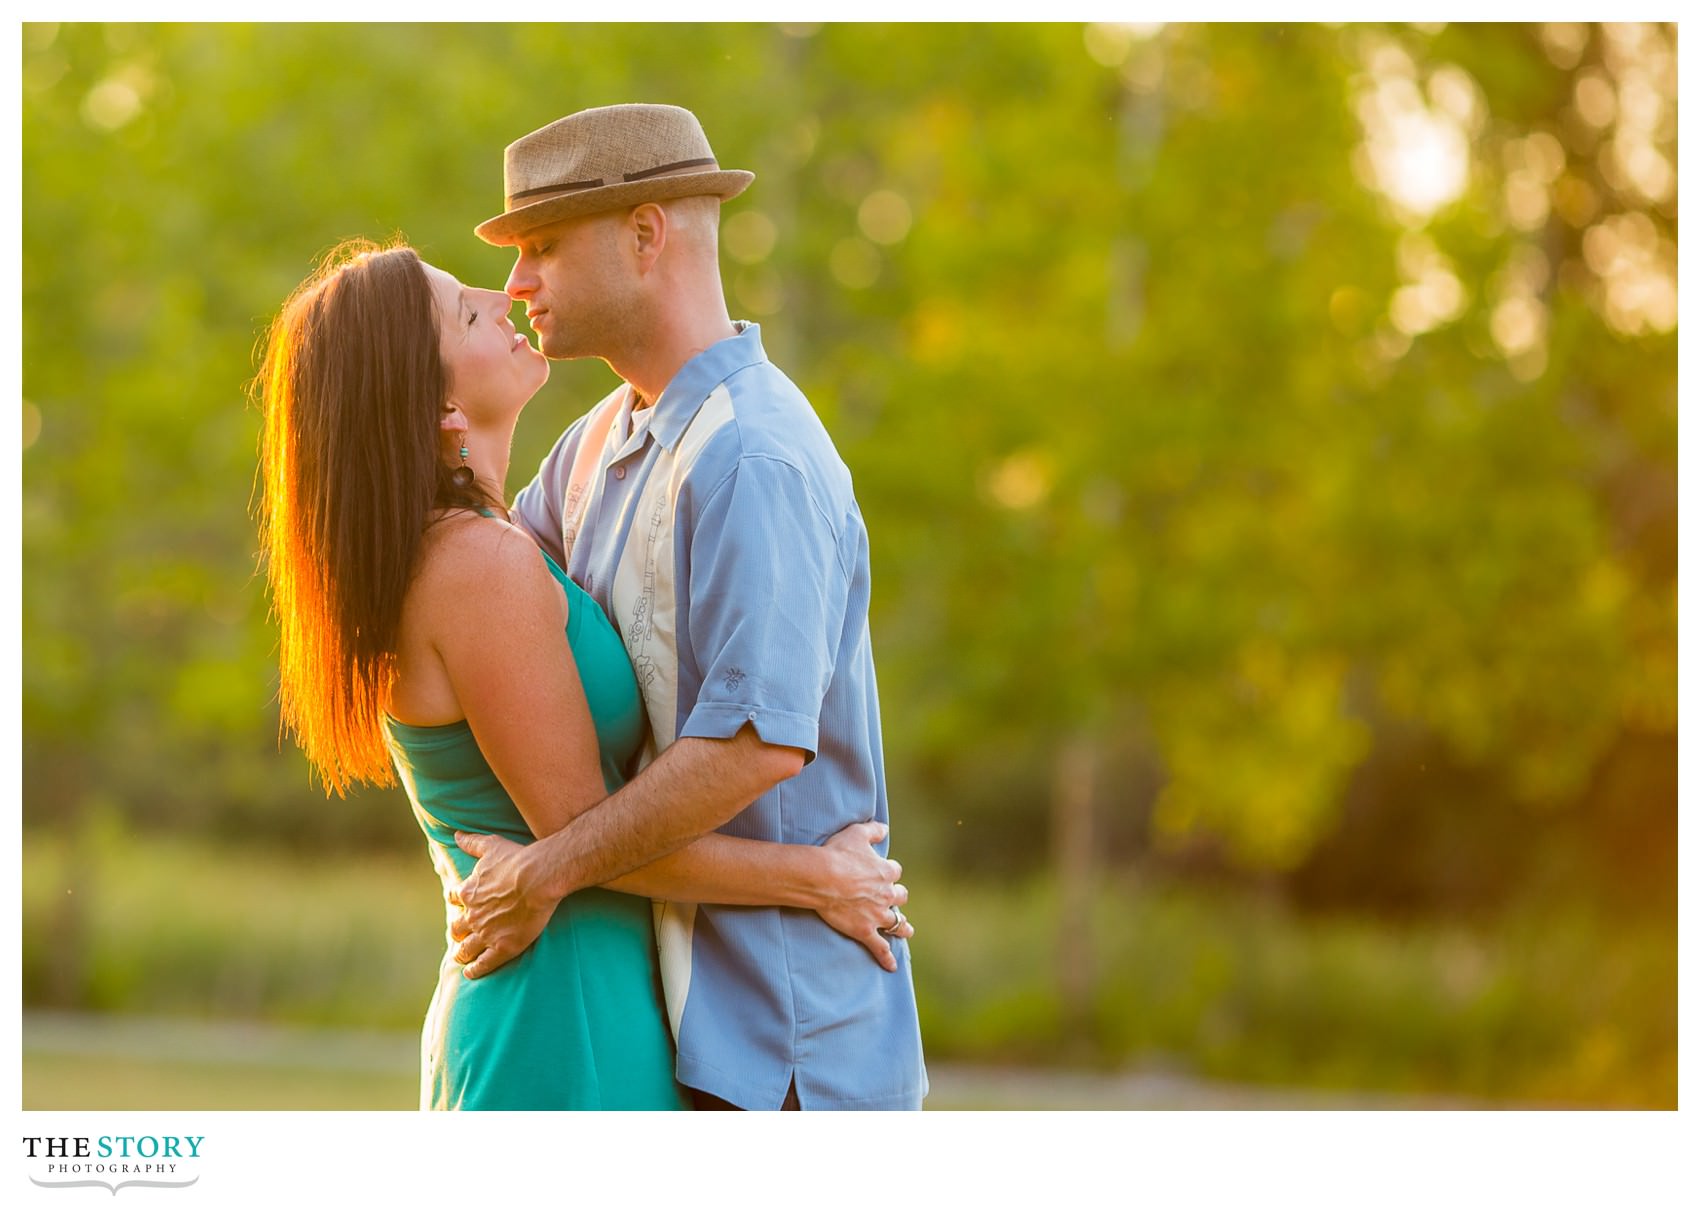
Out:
{"x": 604, "y": 159}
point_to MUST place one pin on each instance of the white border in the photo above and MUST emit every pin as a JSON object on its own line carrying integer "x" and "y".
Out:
{"x": 1312, "y": 1160}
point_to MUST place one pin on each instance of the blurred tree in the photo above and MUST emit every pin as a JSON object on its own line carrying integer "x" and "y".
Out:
{"x": 1254, "y": 424}
{"x": 1244, "y": 415}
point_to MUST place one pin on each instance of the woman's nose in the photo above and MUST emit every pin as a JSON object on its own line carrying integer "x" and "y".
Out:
{"x": 499, "y": 301}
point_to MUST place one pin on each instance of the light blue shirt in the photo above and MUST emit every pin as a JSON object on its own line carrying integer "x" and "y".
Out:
{"x": 725, "y": 543}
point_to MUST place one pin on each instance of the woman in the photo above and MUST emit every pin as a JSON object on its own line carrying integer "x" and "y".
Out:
{"x": 420, "y": 630}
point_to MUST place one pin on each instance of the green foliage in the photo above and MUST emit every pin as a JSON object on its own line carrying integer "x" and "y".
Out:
{"x": 1110, "y": 326}
{"x": 1238, "y": 988}
{"x": 185, "y": 928}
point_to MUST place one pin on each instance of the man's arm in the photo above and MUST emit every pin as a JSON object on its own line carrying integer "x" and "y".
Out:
{"x": 844, "y": 881}
{"x": 696, "y": 785}
{"x": 767, "y": 600}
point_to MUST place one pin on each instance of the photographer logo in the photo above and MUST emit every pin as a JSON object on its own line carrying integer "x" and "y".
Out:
{"x": 113, "y": 1162}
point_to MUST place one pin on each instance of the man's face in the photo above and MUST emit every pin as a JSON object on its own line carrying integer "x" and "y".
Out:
{"x": 577, "y": 285}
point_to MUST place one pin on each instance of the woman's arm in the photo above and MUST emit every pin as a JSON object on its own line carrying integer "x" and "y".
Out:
{"x": 844, "y": 880}
{"x": 496, "y": 620}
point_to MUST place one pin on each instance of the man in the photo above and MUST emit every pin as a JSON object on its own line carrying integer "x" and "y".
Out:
{"x": 704, "y": 507}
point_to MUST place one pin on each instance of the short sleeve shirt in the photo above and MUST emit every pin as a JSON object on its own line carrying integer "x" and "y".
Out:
{"x": 724, "y": 540}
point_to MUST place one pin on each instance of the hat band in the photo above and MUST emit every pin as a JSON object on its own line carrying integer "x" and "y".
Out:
{"x": 569, "y": 187}
{"x": 669, "y": 168}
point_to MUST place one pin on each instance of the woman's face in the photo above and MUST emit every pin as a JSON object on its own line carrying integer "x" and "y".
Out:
{"x": 493, "y": 370}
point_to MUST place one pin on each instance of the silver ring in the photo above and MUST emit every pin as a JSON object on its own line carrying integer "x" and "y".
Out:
{"x": 896, "y": 924}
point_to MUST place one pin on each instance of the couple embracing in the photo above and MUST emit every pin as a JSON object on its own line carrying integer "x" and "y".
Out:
{"x": 635, "y": 711}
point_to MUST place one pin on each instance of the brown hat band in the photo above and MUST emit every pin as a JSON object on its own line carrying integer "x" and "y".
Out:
{"x": 569, "y": 187}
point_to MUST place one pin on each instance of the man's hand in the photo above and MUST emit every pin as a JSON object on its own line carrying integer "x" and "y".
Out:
{"x": 501, "y": 911}
{"x": 863, "y": 889}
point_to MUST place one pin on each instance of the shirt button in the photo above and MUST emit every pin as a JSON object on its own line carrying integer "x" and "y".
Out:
{"x": 752, "y": 715}
{"x": 619, "y": 473}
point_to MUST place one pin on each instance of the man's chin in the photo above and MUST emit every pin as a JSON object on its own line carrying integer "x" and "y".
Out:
{"x": 559, "y": 350}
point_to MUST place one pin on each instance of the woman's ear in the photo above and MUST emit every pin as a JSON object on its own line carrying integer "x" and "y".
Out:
{"x": 454, "y": 420}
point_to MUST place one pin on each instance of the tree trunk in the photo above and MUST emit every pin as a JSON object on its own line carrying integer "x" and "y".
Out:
{"x": 1073, "y": 792}
{"x": 65, "y": 980}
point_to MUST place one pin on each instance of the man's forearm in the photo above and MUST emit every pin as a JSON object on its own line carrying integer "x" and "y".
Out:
{"x": 695, "y": 786}
{"x": 719, "y": 870}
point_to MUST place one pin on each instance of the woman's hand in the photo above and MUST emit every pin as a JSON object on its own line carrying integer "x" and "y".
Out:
{"x": 861, "y": 889}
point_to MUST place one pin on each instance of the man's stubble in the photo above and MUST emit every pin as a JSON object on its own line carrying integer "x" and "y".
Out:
{"x": 604, "y": 328}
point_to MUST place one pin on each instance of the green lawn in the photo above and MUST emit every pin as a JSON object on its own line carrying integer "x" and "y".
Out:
{"x": 1557, "y": 1009}
{"x": 108, "y": 1062}
{"x": 81, "y": 1083}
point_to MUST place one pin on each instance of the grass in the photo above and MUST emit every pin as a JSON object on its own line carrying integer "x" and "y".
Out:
{"x": 104, "y": 1062}
{"x": 116, "y": 1062}
{"x": 1563, "y": 1009}
{"x": 54, "y": 1082}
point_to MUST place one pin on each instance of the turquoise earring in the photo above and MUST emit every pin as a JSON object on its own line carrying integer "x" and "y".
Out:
{"x": 461, "y": 477}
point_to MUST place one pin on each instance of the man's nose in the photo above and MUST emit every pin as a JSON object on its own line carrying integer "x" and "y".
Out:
{"x": 522, "y": 283}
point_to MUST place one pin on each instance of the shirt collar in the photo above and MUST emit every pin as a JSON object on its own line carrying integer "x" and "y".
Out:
{"x": 699, "y": 377}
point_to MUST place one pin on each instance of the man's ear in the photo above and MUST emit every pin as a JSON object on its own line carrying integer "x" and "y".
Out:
{"x": 648, "y": 227}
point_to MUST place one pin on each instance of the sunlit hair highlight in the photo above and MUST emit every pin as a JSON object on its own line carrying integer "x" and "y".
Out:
{"x": 352, "y": 387}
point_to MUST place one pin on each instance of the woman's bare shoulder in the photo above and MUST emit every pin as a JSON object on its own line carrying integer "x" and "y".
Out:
{"x": 480, "y": 594}
{"x": 467, "y": 559}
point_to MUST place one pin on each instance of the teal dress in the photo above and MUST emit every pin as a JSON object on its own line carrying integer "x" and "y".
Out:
{"x": 576, "y": 1021}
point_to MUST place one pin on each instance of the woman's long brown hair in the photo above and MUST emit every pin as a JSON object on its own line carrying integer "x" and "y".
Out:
{"x": 352, "y": 388}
